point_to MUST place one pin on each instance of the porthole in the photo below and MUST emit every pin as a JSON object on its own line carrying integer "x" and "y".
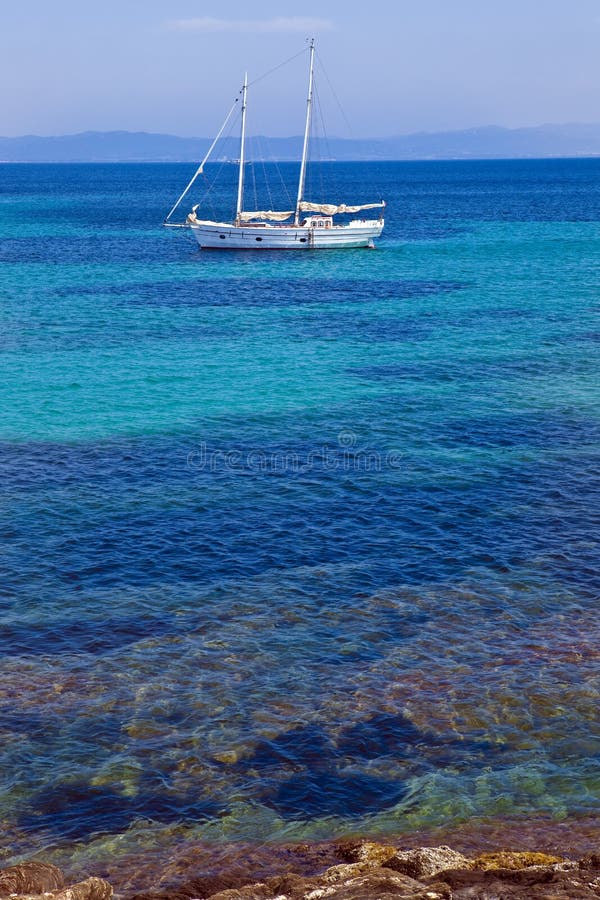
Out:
{"x": 302, "y": 240}
{"x": 222, "y": 236}
{"x": 258, "y": 239}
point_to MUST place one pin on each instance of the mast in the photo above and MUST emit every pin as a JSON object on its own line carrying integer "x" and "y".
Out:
{"x": 306, "y": 133}
{"x": 240, "y": 195}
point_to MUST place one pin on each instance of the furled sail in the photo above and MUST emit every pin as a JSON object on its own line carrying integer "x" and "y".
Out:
{"x": 266, "y": 214}
{"x": 330, "y": 209}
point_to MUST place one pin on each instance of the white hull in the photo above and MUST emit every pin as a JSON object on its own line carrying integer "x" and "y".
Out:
{"x": 221, "y": 236}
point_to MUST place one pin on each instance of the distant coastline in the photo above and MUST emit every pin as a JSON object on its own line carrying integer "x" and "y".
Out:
{"x": 488, "y": 142}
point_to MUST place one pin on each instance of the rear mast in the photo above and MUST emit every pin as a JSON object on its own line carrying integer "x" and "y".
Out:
{"x": 240, "y": 194}
{"x": 306, "y": 133}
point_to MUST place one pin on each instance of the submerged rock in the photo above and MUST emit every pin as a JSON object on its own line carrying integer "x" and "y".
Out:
{"x": 381, "y": 872}
{"x": 366, "y": 851}
{"x": 381, "y": 883}
{"x": 373, "y": 871}
{"x": 30, "y": 878}
{"x": 90, "y": 889}
{"x": 346, "y": 884}
{"x": 369, "y": 871}
{"x": 557, "y": 882}
{"x": 507, "y": 859}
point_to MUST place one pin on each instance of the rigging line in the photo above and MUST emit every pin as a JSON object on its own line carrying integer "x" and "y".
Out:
{"x": 319, "y": 144}
{"x": 222, "y": 162}
{"x": 334, "y": 185}
{"x": 323, "y": 142}
{"x": 201, "y": 166}
{"x": 283, "y": 182}
{"x": 213, "y": 211}
{"x": 335, "y": 96}
{"x": 340, "y": 107}
{"x": 314, "y": 150}
{"x": 209, "y": 185}
{"x": 227, "y": 138}
{"x": 264, "y": 171}
{"x": 252, "y": 167}
{"x": 325, "y": 136}
{"x": 205, "y": 197}
{"x": 280, "y": 66}
{"x": 271, "y": 157}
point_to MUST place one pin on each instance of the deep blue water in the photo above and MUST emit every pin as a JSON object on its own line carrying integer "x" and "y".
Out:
{"x": 293, "y": 547}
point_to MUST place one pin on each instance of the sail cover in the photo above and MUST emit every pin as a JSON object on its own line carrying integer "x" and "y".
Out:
{"x": 330, "y": 209}
{"x": 266, "y": 214}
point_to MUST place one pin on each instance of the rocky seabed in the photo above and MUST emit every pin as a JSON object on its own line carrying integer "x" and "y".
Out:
{"x": 368, "y": 871}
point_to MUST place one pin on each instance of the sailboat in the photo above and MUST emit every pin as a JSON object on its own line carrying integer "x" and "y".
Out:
{"x": 313, "y": 226}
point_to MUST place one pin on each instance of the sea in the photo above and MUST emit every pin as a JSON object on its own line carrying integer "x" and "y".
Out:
{"x": 301, "y": 545}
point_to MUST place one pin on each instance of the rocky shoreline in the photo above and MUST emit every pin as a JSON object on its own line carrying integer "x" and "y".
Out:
{"x": 364, "y": 870}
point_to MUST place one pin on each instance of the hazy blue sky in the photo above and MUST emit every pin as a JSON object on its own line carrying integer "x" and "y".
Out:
{"x": 397, "y": 65}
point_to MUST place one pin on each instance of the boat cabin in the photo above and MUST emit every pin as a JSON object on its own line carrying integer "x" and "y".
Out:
{"x": 318, "y": 222}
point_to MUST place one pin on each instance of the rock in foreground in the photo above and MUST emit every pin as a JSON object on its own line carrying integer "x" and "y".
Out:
{"x": 476, "y": 879}
{"x": 32, "y": 880}
{"x": 370, "y": 871}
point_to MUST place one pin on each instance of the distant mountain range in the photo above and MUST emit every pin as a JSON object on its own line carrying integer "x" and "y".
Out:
{"x": 490, "y": 142}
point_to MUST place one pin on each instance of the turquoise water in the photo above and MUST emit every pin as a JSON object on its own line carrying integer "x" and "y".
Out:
{"x": 297, "y": 547}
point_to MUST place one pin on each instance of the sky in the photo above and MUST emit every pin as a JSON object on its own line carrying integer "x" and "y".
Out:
{"x": 396, "y": 66}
